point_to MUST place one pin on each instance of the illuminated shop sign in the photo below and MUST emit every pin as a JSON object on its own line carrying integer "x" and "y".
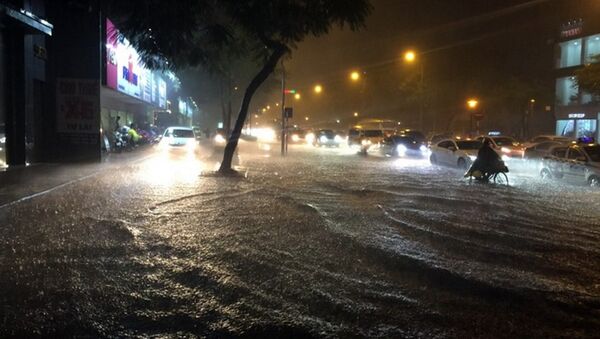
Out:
{"x": 576, "y": 115}
{"x": 127, "y": 74}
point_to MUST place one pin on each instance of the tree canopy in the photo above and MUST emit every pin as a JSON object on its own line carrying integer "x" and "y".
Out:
{"x": 209, "y": 33}
{"x": 588, "y": 78}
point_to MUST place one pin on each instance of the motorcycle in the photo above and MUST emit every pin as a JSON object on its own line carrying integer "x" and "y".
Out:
{"x": 121, "y": 141}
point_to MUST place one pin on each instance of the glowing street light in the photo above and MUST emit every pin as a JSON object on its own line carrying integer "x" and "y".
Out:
{"x": 472, "y": 103}
{"x": 264, "y": 110}
{"x": 355, "y": 114}
{"x": 268, "y": 107}
{"x": 297, "y": 96}
{"x": 354, "y": 76}
{"x": 410, "y": 56}
{"x": 337, "y": 121}
{"x": 532, "y": 101}
{"x": 306, "y": 118}
{"x": 318, "y": 89}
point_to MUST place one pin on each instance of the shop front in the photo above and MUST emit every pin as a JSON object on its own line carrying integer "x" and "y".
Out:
{"x": 578, "y": 124}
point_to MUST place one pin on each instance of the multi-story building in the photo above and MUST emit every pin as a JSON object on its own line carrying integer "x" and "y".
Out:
{"x": 577, "y": 112}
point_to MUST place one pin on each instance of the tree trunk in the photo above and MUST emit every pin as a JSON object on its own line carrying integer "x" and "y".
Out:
{"x": 259, "y": 78}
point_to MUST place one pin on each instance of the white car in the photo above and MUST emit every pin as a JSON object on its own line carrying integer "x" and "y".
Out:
{"x": 460, "y": 153}
{"x": 507, "y": 147}
{"x": 179, "y": 140}
{"x": 576, "y": 164}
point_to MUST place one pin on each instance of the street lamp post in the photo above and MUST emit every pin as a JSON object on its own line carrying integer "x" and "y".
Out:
{"x": 472, "y": 104}
{"x": 411, "y": 57}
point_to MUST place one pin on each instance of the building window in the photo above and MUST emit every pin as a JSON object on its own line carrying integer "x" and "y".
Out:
{"x": 570, "y": 53}
{"x": 566, "y": 91}
{"x": 592, "y": 47}
{"x": 565, "y": 128}
{"x": 586, "y": 128}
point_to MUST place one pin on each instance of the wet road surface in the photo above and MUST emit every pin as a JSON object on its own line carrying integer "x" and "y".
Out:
{"x": 325, "y": 243}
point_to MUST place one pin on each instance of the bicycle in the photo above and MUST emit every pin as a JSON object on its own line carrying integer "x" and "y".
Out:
{"x": 498, "y": 176}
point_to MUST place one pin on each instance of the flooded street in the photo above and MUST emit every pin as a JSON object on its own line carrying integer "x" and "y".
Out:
{"x": 325, "y": 243}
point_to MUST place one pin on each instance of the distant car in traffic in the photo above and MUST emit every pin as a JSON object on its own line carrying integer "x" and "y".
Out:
{"x": 179, "y": 140}
{"x": 540, "y": 150}
{"x": 507, "y": 147}
{"x": 460, "y": 153}
{"x": 297, "y": 136}
{"x": 370, "y": 138}
{"x": 326, "y": 137}
{"x": 547, "y": 138}
{"x": 404, "y": 145}
{"x": 576, "y": 164}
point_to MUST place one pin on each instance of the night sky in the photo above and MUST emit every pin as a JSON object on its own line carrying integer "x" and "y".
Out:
{"x": 465, "y": 44}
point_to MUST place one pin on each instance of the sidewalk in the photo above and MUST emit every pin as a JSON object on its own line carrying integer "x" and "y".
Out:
{"x": 25, "y": 181}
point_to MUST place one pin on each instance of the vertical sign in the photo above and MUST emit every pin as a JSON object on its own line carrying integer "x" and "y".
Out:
{"x": 78, "y": 106}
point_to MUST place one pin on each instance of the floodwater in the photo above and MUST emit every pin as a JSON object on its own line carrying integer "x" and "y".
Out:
{"x": 323, "y": 243}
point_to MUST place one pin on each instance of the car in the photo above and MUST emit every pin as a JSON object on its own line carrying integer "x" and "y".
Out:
{"x": 547, "y": 138}
{"x": 326, "y": 137}
{"x": 575, "y": 163}
{"x": 369, "y": 138}
{"x": 181, "y": 140}
{"x": 460, "y": 153}
{"x": 540, "y": 150}
{"x": 436, "y": 138}
{"x": 297, "y": 136}
{"x": 404, "y": 146}
{"x": 507, "y": 147}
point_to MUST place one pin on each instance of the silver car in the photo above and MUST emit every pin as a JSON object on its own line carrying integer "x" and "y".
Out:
{"x": 575, "y": 164}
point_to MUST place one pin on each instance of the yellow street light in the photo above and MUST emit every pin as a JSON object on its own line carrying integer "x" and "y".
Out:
{"x": 264, "y": 110}
{"x": 355, "y": 114}
{"x": 472, "y": 103}
{"x": 410, "y": 56}
{"x": 306, "y": 118}
{"x": 318, "y": 89}
{"x": 532, "y": 101}
{"x": 268, "y": 107}
{"x": 354, "y": 76}
{"x": 297, "y": 96}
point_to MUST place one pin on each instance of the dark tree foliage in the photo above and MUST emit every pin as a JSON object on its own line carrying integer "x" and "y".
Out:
{"x": 588, "y": 78}
{"x": 210, "y": 33}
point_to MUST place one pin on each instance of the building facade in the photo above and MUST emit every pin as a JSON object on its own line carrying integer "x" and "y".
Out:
{"x": 65, "y": 77}
{"x": 577, "y": 112}
{"x": 24, "y": 84}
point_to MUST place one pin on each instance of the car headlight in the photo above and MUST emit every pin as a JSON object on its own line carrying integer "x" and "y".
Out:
{"x": 338, "y": 139}
{"x": 219, "y": 139}
{"x": 505, "y": 150}
{"x": 295, "y": 138}
{"x": 323, "y": 138}
{"x": 365, "y": 142}
{"x": 423, "y": 149}
{"x": 3, "y": 140}
{"x": 401, "y": 149}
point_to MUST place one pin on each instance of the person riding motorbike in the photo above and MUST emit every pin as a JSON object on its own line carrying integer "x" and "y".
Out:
{"x": 487, "y": 163}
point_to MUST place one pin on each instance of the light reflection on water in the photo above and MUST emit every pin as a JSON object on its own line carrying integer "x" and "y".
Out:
{"x": 167, "y": 170}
